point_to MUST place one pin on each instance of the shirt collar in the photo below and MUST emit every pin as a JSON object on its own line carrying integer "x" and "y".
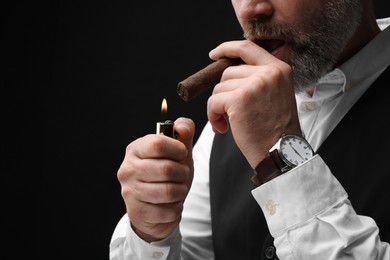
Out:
{"x": 328, "y": 87}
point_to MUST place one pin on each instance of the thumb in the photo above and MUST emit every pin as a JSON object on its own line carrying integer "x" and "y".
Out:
{"x": 185, "y": 128}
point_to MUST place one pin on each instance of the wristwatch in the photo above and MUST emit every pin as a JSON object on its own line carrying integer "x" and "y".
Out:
{"x": 294, "y": 150}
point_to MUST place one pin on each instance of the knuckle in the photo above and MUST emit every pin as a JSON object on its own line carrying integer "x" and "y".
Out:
{"x": 246, "y": 96}
{"x": 121, "y": 175}
{"x": 126, "y": 171}
{"x": 228, "y": 70}
{"x": 286, "y": 67}
{"x": 273, "y": 72}
{"x": 280, "y": 71}
{"x": 246, "y": 44}
{"x": 131, "y": 146}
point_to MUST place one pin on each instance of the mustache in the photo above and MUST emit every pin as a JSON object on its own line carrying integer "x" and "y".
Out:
{"x": 257, "y": 29}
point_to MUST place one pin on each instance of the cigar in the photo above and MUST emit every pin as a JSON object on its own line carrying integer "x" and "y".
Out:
{"x": 205, "y": 78}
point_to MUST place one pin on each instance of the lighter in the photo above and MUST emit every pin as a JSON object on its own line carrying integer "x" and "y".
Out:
{"x": 167, "y": 127}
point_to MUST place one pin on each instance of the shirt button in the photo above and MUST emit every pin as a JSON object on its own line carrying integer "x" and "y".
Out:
{"x": 270, "y": 252}
{"x": 157, "y": 254}
{"x": 310, "y": 106}
{"x": 270, "y": 207}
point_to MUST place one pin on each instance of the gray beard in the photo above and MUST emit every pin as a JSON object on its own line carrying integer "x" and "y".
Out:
{"x": 316, "y": 49}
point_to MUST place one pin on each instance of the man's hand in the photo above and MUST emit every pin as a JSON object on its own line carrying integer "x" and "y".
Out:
{"x": 155, "y": 176}
{"x": 257, "y": 99}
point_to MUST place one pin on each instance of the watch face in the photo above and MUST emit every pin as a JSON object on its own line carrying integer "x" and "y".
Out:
{"x": 295, "y": 150}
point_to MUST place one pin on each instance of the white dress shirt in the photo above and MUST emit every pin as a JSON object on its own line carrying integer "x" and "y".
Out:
{"x": 326, "y": 226}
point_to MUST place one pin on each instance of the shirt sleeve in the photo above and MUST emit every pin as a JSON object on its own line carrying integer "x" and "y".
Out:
{"x": 125, "y": 244}
{"x": 310, "y": 217}
{"x": 193, "y": 240}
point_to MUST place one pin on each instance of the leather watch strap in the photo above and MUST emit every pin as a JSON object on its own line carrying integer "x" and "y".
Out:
{"x": 270, "y": 167}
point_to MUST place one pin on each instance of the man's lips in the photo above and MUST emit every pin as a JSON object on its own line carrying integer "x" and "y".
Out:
{"x": 270, "y": 45}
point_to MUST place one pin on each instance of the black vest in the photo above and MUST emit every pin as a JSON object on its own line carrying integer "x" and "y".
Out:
{"x": 357, "y": 152}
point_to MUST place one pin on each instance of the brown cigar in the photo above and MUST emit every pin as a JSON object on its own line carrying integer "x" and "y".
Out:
{"x": 207, "y": 77}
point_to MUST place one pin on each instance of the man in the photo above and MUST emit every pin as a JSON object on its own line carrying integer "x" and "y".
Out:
{"x": 290, "y": 165}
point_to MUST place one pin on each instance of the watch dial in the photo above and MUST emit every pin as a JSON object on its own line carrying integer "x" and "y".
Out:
{"x": 295, "y": 150}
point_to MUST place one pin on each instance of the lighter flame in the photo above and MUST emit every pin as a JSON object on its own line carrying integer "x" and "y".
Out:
{"x": 164, "y": 106}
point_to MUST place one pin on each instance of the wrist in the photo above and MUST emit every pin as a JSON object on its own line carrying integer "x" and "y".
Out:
{"x": 294, "y": 150}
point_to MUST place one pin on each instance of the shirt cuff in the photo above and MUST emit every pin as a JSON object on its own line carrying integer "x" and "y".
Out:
{"x": 131, "y": 244}
{"x": 298, "y": 195}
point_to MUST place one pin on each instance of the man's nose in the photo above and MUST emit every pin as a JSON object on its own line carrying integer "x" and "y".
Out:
{"x": 250, "y": 9}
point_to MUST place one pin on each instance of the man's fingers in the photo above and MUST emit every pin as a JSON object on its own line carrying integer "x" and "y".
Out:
{"x": 157, "y": 146}
{"x": 248, "y": 51}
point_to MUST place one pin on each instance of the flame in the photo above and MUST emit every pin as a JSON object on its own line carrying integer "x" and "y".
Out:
{"x": 164, "y": 106}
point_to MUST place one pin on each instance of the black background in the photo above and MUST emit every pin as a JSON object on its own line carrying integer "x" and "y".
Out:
{"x": 82, "y": 79}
